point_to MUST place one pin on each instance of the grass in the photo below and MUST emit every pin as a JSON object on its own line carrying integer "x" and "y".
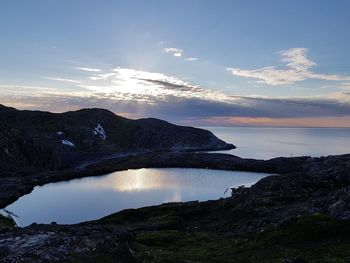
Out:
{"x": 162, "y": 236}
{"x": 105, "y": 256}
{"x": 147, "y": 218}
{"x": 6, "y": 223}
{"x": 316, "y": 239}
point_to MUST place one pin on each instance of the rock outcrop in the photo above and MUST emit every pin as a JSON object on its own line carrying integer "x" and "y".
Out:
{"x": 67, "y": 243}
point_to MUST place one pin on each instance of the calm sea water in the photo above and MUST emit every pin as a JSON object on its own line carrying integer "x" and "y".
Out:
{"x": 94, "y": 197}
{"x": 266, "y": 143}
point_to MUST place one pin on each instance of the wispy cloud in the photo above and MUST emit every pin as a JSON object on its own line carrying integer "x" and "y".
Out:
{"x": 62, "y": 80}
{"x": 345, "y": 86}
{"x": 296, "y": 59}
{"x": 174, "y": 51}
{"x": 191, "y": 59}
{"x": 144, "y": 94}
{"x": 88, "y": 69}
{"x": 23, "y": 89}
{"x": 172, "y": 107}
{"x": 298, "y": 68}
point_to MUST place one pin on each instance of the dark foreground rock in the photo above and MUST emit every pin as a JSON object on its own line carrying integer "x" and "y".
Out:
{"x": 301, "y": 214}
{"x": 67, "y": 243}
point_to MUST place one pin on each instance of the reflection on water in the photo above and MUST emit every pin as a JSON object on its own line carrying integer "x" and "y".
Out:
{"x": 94, "y": 197}
{"x": 138, "y": 180}
{"x": 267, "y": 142}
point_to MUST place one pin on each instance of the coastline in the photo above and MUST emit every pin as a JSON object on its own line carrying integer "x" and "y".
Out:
{"x": 13, "y": 187}
{"x": 306, "y": 190}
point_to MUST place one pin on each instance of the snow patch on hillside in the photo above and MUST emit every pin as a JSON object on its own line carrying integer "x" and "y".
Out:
{"x": 98, "y": 130}
{"x": 68, "y": 143}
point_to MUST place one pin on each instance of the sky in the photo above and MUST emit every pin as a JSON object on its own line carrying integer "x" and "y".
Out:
{"x": 193, "y": 62}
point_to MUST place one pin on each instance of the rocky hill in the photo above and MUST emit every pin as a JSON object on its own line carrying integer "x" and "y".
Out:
{"x": 59, "y": 140}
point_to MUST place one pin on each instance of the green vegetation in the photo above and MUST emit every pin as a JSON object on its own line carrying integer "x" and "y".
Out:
{"x": 6, "y": 222}
{"x": 153, "y": 218}
{"x": 105, "y": 256}
{"x": 163, "y": 236}
{"x": 316, "y": 239}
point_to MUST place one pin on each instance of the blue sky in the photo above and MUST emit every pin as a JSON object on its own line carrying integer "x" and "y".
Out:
{"x": 206, "y": 62}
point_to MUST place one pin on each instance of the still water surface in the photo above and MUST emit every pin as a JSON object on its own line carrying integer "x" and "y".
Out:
{"x": 266, "y": 142}
{"x": 94, "y": 197}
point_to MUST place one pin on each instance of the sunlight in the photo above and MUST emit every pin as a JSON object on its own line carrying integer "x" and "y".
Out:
{"x": 139, "y": 180}
{"x": 136, "y": 84}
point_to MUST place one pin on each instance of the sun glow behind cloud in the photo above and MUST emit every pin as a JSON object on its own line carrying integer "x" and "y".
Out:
{"x": 145, "y": 86}
{"x": 138, "y": 93}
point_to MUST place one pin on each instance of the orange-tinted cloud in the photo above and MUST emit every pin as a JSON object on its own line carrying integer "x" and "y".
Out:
{"x": 281, "y": 122}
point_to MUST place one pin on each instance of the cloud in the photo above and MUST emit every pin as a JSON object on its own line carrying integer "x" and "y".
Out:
{"x": 150, "y": 94}
{"x": 133, "y": 83}
{"x": 174, "y": 51}
{"x": 158, "y": 84}
{"x": 63, "y": 80}
{"x": 174, "y": 108}
{"x": 88, "y": 69}
{"x": 191, "y": 59}
{"x": 340, "y": 122}
{"x": 23, "y": 89}
{"x": 345, "y": 86}
{"x": 296, "y": 59}
{"x": 298, "y": 68}
{"x": 173, "y": 86}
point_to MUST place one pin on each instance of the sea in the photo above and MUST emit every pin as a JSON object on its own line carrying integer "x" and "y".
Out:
{"x": 270, "y": 142}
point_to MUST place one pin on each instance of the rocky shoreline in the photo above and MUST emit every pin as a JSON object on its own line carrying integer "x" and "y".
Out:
{"x": 287, "y": 216}
{"x": 14, "y": 185}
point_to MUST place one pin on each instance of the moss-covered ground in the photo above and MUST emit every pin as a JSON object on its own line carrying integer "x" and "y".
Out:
{"x": 315, "y": 239}
{"x": 6, "y": 223}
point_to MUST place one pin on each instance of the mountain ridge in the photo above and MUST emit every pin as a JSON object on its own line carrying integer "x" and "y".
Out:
{"x": 61, "y": 140}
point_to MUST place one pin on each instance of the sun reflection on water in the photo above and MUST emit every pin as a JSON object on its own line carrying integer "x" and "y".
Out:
{"x": 138, "y": 180}
{"x": 94, "y": 197}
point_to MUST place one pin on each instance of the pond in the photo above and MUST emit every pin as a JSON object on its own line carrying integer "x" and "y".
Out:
{"x": 95, "y": 197}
